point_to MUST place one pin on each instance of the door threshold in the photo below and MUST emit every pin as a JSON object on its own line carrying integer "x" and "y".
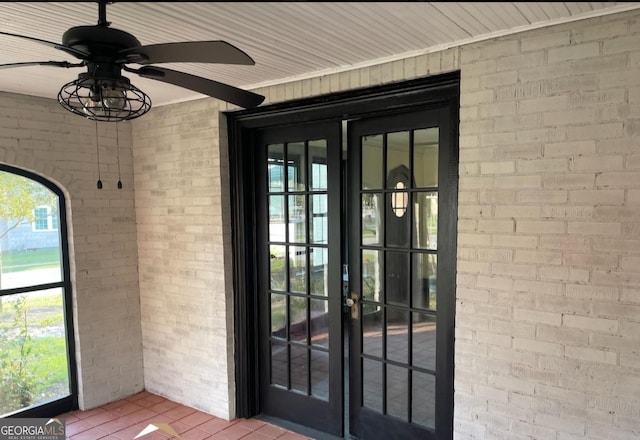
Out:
{"x": 300, "y": 429}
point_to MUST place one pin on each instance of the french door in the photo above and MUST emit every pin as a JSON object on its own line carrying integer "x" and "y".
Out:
{"x": 345, "y": 236}
{"x": 299, "y": 300}
{"x": 402, "y": 260}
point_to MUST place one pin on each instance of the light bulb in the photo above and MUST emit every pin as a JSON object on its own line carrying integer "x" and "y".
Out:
{"x": 113, "y": 99}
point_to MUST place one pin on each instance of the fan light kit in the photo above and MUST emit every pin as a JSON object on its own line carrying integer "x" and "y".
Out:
{"x": 103, "y": 94}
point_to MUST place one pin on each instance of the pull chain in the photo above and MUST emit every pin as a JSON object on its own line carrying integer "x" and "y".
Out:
{"x": 98, "y": 151}
{"x": 118, "y": 154}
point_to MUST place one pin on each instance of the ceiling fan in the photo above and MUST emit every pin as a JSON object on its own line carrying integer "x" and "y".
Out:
{"x": 103, "y": 94}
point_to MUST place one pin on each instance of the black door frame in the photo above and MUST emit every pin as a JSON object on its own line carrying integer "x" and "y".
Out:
{"x": 423, "y": 93}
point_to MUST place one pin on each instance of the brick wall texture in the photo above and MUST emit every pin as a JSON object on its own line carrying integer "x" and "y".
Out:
{"x": 548, "y": 290}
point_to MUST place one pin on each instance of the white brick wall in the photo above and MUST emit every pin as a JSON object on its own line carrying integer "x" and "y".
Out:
{"x": 39, "y": 136}
{"x": 183, "y": 221}
{"x": 568, "y": 277}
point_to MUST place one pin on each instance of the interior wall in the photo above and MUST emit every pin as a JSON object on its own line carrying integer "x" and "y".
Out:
{"x": 183, "y": 245}
{"x": 37, "y": 135}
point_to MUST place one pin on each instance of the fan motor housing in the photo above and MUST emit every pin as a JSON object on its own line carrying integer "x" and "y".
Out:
{"x": 99, "y": 40}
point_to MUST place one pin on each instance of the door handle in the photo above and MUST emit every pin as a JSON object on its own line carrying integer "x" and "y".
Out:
{"x": 352, "y": 303}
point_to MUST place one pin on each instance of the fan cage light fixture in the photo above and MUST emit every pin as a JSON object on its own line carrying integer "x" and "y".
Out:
{"x": 104, "y": 99}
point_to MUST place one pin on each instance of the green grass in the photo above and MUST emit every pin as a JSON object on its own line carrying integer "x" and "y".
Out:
{"x": 45, "y": 310}
{"x": 15, "y": 261}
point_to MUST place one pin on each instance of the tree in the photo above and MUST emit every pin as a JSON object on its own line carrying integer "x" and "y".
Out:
{"x": 19, "y": 197}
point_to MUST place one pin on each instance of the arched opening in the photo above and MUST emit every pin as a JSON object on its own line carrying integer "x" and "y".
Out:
{"x": 37, "y": 363}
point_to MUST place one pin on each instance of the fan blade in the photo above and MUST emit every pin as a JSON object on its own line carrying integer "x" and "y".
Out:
{"x": 209, "y": 87}
{"x": 70, "y": 50}
{"x": 219, "y": 52}
{"x": 42, "y": 63}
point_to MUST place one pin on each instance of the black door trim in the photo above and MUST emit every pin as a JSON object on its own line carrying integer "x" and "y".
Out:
{"x": 422, "y": 93}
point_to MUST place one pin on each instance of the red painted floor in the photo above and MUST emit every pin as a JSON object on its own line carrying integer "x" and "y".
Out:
{"x": 125, "y": 419}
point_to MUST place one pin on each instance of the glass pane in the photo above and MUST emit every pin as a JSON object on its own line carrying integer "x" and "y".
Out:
{"x": 299, "y": 369}
{"x": 397, "y": 396}
{"x": 298, "y": 318}
{"x": 372, "y": 221}
{"x": 396, "y": 219}
{"x": 425, "y": 157}
{"x": 33, "y": 349}
{"x": 319, "y": 270}
{"x": 397, "y": 278}
{"x": 298, "y": 269}
{"x": 397, "y": 155}
{"x": 372, "y": 331}
{"x": 318, "y": 160}
{"x": 278, "y": 315}
{"x": 372, "y": 385}
{"x": 297, "y": 219}
{"x": 297, "y": 169}
{"x": 423, "y": 405}
{"x": 398, "y": 335}
{"x": 30, "y": 251}
{"x": 320, "y": 322}
{"x": 320, "y": 374}
{"x": 423, "y": 347}
{"x": 279, "y": 364}
{"x": 425, "y": 220}
{"x": 372, "y": 162}
{"x": 319, "y": 226}
{"x": 372, "y": 275}
{"x": 424, "y": 270}
{"x": 277, "y": 270}
{"x": 276, "y": 219}
{"x": 275, "y": 161}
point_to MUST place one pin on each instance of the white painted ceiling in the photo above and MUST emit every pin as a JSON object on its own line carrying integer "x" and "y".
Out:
{"x": 287, "y": 40}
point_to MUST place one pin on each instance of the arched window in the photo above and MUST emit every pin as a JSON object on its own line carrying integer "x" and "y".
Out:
{"x": 37, "y": 364}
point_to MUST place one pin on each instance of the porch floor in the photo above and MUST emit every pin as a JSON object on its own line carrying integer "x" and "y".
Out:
{"x": 125, "y": 419}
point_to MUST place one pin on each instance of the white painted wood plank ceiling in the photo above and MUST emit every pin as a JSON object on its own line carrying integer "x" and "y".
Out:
{"x": 287, "y": 40}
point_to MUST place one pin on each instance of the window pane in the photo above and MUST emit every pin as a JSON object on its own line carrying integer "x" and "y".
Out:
{"x": 276, "y": 219}
{"x": 279, "y": 364}
{"x": 397, "y": 154}
{"x": 296, "y": 167}
{"x": 298, "y": 269}
{"x": 371, "y": 275}
{"x": 397, "y": 388}
{"x": 319, "y": 226}
{"x": 320, "y": 374}
{"x": 297, "y": 219}
{"x": 425, "y": 220}
{"x": 278, "y": 316}
{"x": 278, "y": 257}
{"x": 424, "y": 270}
{"x": 372, "y": 223}
{"x": 397, "y": 278}
{"x": 319, "y": 271}
{"x": 423, "y": 405}
{"x": 424, "y": 341}
{"x": 318, "y": 159}
{"x": 33, "y": 339}
{"x": 298, "y": 319}
{"x": 425, "y": 157}
{"x": 275, "y": 164}
{"x": 372, "y": 162}
{"x": 299, "y": 369}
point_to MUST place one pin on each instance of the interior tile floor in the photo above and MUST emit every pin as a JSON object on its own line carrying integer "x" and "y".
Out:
{"x": 127, "y": 418}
